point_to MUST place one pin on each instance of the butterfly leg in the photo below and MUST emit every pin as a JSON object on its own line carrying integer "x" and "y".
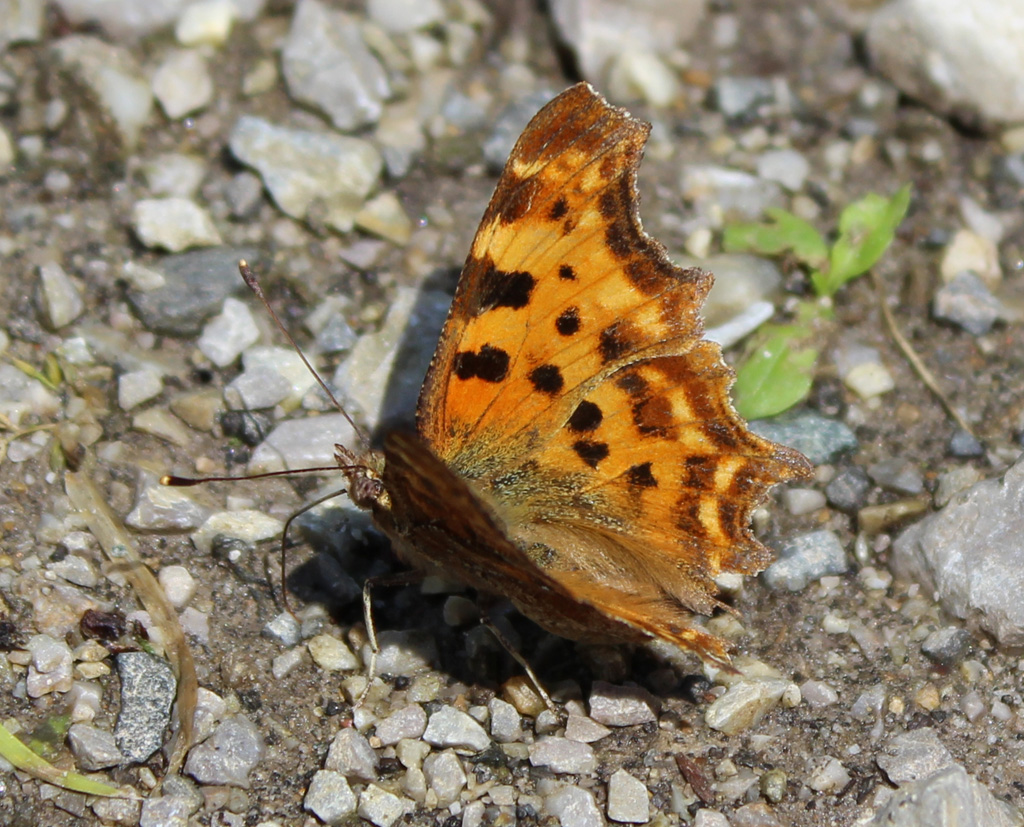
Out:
{"x": 507, "y": 645}
{"x": 405, "y": 578}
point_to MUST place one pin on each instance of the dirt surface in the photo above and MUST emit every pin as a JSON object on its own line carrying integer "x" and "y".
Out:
{"x": 86, "y": 227}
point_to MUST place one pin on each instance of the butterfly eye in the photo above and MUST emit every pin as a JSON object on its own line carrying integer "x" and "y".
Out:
{"x": 366, "y": 490}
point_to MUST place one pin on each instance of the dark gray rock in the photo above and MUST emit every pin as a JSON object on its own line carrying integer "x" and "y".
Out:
{"x": 196, "y": 284}
{"x": 148, "y": 688}
{"x": 968, "y": 555}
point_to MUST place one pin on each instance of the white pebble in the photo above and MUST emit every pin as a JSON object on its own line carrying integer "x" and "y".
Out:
{"x": 61, "y": 301}
{"x": 627, "y": 799}
{"x": 182, "y": 84}
{"x": 869, "y": 379}
{"x": 138, "y": 386}
{"x": 207, "y": 22}
{"x": 173, "y": 224}
{"x": 228, "y": 334}
{"x": 331, "y": 654}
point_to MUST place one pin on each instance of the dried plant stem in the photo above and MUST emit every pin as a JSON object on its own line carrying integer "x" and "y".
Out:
{"x": 915, "y": 361}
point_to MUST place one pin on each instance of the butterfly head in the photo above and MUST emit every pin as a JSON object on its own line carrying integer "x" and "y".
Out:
{"x": 365, "y": 486}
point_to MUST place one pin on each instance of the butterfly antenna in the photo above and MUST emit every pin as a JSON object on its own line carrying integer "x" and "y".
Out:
{"x": 253, "y": 284}
{"x": 186, "y": 482}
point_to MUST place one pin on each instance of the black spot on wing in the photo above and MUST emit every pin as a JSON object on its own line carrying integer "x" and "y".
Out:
{"x": 559, "y": 209}
{"x": 566, "y": 273}
{"x": 490, "y": 364}
{"x": 547, "y": 379}
{"x": 586, "y": 417}
{"x": 590, "y": 452}
{"x": 568, "y": 321}
{"x": 640, "y": 476}
{"x": 503, "y": 288}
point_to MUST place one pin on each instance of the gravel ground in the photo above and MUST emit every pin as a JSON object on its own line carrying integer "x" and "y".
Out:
{"x": 348, "y": 152}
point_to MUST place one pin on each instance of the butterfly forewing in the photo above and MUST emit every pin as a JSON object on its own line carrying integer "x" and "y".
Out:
{"x": 586, "y": 459}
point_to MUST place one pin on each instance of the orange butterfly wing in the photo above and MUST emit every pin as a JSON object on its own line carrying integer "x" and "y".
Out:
{"x": 575, "y": 410}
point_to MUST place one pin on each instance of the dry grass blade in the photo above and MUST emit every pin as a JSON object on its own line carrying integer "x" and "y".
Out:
{"x": 120, "y": 549}
{"x": 915, "y": 361}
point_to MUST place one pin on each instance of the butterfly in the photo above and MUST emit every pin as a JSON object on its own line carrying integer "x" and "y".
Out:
{"x": 575, "y": 449}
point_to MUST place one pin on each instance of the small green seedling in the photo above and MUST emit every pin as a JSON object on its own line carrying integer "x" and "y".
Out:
{"x": 779, "y": 369}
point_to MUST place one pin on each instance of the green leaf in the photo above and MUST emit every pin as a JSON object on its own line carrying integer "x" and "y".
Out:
{"x": 784, "y": 231}
{"x": 775, "y": 377}
{"x": 866, "y": 229}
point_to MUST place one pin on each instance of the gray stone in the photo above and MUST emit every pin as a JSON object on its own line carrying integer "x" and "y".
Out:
{"x": 175, "y": 174}
{"x": 122, "y": 18}
{"x": 302, "y": 443}
{"x": 329, "y": 797}
{"x": 301, "y": 168}
{"x": 741, "y": 281}
{"x": 137, "y": 387}
{"x": 195, "y": 285}
{"x": 968, "y": 555}
{"x": 963, "y": 444}
{"x": 245, "y": 194}
{"x": 403, "y": 652}
{"x": 163, "y": 508}
{"x": 716, "y": 191}
{"x": 382, "y": 808}
{"x": 911, "y": 756}
{"x": 229, "y": 333}
{"x": 93, "y": 748}
{"x": 408, "y": 722}
{"x": 381, "y": 378}
{"x": 964, "y": 60}
{"x": 627, "y": 799}
{"x": 582, "y": 728}
{"x": 22, "y": 22}
{"x": 327, "y": 65}
{"x": 560, "y": 755}
{"x": 173, "y": 224}
{"x": 59, "y": 298}
{"x": 506, "y": 723}
{"x": 352, "y": 756}
{"x": 229, "y": 755}
{"x": 784, "y": 166}
{"x": 445, "y": 776}
{"x": 148, "y": 689}
{"x": 949, "y": 798}
{"x": 805, "y": 558}
{"x": 404, "y": 16}
{"x": 744, "y": 704}
{"x": 742, "y": 95}
{"x": 113, "y": 78}
{"x": 77, "y": 570}
{"x": 969, "y": 304}
{"x": 448, "y": 727}
{"x": 948, "y": 646}
{"x": 182, "y": 83}
{"x": 897, "y": 474}
{"x": 848, "y": 490}
{"x": 600, "y": 34}
{"x": 574, "y": 807}
{"x": 622, "y": 705}
{"x": 818, "y": 438}
{"x": 166, "y": 811}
